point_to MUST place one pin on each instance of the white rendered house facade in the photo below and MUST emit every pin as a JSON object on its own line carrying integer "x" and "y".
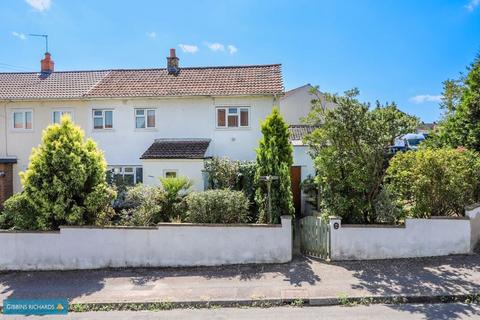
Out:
{"x": 215, "y": 110}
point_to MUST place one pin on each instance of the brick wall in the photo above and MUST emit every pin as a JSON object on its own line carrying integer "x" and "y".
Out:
{"x": 6, "y": 182}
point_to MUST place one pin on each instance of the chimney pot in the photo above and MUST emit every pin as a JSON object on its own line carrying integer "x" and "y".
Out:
{"x": 46, "y": 64}
{"x": 172, "y": 63}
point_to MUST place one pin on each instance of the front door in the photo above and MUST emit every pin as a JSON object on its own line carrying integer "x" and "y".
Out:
{"x": 296, "y": 178}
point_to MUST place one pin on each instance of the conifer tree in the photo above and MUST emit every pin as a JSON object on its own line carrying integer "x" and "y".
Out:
{"x": 274, "y": 158}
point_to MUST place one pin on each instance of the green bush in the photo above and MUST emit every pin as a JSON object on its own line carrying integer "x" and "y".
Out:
{"x": 175, "y": 189}
{"x": 224, "y": 173}
{"x": 64, "y": 183}
{"x": 144, "y": 205}
{"x": 217, "y": 206}
{"x": 434, "y": 182}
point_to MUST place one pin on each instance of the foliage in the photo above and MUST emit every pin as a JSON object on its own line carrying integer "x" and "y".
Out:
{"x": 310, "y": 189}
{"x": 349, "y": 152}
{"x": 461, "y": 102}
{"x": 64, "y": 183}
{"x": 144, "y": 206}
{"x": 175, "y": 189}
{"x": 224, "y": 173}
{"x": 274, "y": 158}
{"x": 434, "y": 182}
{"x": 150, "y": 205}
{"x": 217, "y": 206}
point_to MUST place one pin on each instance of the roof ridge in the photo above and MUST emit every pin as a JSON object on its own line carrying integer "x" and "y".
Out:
{"x": 152, "y": 69}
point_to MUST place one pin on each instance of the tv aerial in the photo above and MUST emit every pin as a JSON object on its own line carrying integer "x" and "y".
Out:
{"x": 43, "y": 36}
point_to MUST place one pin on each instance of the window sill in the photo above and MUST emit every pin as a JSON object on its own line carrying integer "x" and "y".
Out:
{"x": 103, "y": 130}
{"x": 145, "y": 129}
{"x": 233, "y": 129}
{"x": 22, "y": 130}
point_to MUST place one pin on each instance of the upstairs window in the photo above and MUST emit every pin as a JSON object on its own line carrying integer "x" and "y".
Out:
{"x": 23, "y": 120}
{"x": 233, "y": 117}
{"x": 57, "y": 115}
{"x": 102, "y": 119}
{"x": 144, "y": 118}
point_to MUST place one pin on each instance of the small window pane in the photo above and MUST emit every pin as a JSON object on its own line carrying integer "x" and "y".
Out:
{"x": 139, "y": 175}
{"x": 18, "y": 120}
{"x": 56, "y": 116}
{"x": 221, "y": 117}
{"x": 233, "y": 121}
{"x": 108, "y": 119}
{"x": 140, "y": 112}
{"x": 128, "y": 170}
{"x": 170, "y": 174}
{"x": 140, "y": 122}
{"x": 244, "y": 117}
{"x": 151, "y": 118}
{"x": 98, "y": 123}
{"x": 98, "y": 113}
{"x": 232, "y": 110}
{"x": 28, "y": 120}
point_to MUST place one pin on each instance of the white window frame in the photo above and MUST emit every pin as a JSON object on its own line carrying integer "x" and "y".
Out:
{"x": 145, "y": 115}
{"x": 120, "y": 169}
{"x": 165, "y": 171}
{"x": 226, "y": 108}
{"x": 103, "y": 119}
{"x": 62, "y": 112}
{"x": 24, "y": 112}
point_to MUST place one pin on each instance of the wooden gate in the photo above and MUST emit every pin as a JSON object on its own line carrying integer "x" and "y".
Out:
{"x": 315, "y": 237}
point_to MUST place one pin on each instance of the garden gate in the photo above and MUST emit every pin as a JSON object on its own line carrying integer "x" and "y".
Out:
{"x": 315, "y": 237}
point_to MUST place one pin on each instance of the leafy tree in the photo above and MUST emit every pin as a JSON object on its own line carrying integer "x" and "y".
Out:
{"x": 274, "y": 158}
{"x": 175, "y": 189}
{"x": 461, "y": 102}
{"x": 349, "y": 152}
{"x": 64, "y": 183}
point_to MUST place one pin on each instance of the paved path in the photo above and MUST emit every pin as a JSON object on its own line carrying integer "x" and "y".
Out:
{"x": 374, "y": 312}
{"x": 302, "y": 278}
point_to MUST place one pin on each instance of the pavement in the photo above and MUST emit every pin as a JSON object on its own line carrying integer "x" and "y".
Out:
{"x": 314, "y": 281}
{"x": 374, "y": 312}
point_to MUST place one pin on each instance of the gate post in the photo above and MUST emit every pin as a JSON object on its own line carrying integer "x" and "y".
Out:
{"x": 335, "y": 224}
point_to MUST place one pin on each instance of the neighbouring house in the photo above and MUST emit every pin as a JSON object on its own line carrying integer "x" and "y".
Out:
{"x": 294, "y": 106}
{"x": 151, "y": 123}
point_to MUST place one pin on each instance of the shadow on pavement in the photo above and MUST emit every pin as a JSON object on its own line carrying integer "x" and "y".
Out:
{"x": 456, "y": 274}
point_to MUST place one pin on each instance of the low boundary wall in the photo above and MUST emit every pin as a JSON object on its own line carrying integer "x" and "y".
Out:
{"x": 437, "y": 236}
{"x": 166, "y": 245}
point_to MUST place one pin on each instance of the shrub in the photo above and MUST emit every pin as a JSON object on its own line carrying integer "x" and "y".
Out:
{"x": 224, "y": 173}
{"x": 64, "y": 183}
{"x": 144, "y": 206}
{"x": 175, "y": 189}
{"x": 217, "y": 206}
{"x": 434, "y": 182}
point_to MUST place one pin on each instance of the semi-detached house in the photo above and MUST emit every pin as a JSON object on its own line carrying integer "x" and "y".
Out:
{"x": 150, "y": 122}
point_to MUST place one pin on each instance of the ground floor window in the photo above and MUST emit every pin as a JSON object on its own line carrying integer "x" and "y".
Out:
{"x": 127, "y": 175}
{"x": 169, "y": 173}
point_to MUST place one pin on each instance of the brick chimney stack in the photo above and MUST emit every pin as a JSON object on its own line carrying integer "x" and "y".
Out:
{"x": 47, "y": 64}
{"x": 172, "y": 63}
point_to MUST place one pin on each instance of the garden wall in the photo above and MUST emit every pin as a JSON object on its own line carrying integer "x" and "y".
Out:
{"x": 166, "y": 245}
{"x": 437, "y": 236}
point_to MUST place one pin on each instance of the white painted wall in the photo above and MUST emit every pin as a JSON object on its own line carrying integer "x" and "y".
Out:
{"x": 296, "y": 104}
{"x": 167, "y": 245}
{"x": 191, "y": 168}
{"x": 181, "y": 117}
{"x": 418, "y": 238}
{"x": 473, "y": 212}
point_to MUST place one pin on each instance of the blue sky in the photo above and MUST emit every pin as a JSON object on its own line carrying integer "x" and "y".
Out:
{"x": 391, "y": 50}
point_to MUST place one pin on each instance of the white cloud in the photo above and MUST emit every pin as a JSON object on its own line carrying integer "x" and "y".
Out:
{"x": 472, "y": 4}
{"x": 215, "y": 46}
{"x": 40, "y": 5}
{"x": 151, "y": 34}
{"x": 422, "y": 98}
{"x": 232, "y": 49}
{"x": 19, "y": 35}
{"x": 189, "y": 48}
